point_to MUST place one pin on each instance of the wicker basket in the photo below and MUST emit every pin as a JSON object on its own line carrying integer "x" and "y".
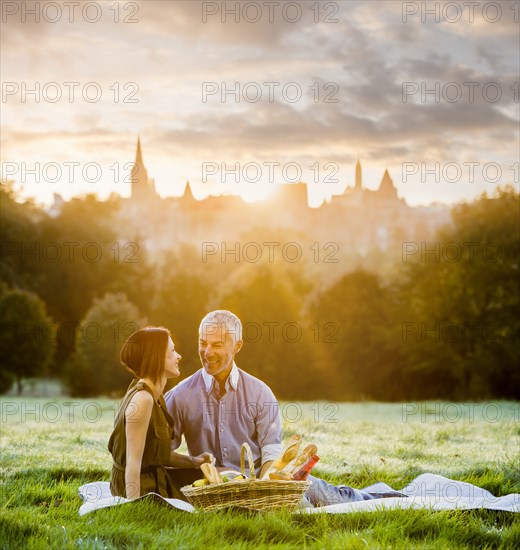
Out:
{"x": 252, "y": 493}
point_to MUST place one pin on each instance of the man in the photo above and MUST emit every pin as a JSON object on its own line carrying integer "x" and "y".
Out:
{"x": 220, "y": 407}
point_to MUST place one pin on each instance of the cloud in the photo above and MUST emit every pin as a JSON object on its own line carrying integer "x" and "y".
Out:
{"x": 250, "y": 24}
{"x": 170, "y": 52}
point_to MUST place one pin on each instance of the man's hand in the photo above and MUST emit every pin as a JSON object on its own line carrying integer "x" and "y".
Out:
{"x": 196, "y": 461}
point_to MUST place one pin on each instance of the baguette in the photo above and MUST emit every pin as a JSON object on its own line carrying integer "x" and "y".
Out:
{"x": 289, "y": 453}
{"x": 284, "y": 476}
{"x": 210, "y": 473}
{"x": 305, "y": 456}
{"x": 287, "y": 456}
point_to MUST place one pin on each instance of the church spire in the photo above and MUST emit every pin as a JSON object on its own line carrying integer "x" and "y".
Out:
{"x": 138, "y": 154}
{"x": 359, "y": 177}
{"x": 142, "y": 186}
{"x": 188, "y": 193}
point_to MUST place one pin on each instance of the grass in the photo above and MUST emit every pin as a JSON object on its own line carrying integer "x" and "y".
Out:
{"x": 51, "y": 447}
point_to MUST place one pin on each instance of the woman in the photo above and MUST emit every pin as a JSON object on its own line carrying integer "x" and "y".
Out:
{"x": 140, "y": 442}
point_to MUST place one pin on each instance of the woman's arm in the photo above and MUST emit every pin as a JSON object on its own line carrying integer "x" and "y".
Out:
{"x": 137, "y": 416}
{"x": 184, "y": 461}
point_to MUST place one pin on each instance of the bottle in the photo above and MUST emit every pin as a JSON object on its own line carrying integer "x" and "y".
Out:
{"x": 305, "y": 470}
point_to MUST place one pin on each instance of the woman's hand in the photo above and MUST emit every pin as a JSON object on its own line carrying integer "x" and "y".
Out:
{"x": 201, "y": 459}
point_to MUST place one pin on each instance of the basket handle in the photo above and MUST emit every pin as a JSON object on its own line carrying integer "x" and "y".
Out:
{"x": 247, "y": 449}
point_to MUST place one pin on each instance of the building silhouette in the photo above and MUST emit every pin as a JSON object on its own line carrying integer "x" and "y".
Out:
{"x": 360, "y": 220}
{"x": 367, "y": 226}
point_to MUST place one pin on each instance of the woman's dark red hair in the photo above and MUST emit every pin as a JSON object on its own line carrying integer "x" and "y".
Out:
{"x": 144, "y": 352}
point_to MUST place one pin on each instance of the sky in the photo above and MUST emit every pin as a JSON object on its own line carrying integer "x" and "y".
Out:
{"x": 238, "y": 97}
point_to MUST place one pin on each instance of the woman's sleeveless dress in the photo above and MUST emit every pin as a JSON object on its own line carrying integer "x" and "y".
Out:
{"x": 157, "y": 448}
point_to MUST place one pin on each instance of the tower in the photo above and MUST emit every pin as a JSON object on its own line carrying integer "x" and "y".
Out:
{"x": 188, "y": 193}
{"x": 187, "y": 202}
{"x": 359, "y": 177}
{"x": 142, "y": 186}
{"x": 386, "y": 189}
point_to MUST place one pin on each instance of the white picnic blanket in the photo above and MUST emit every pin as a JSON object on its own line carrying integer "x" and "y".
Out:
{"x": 428, "y": 491}
{"x": 97, "y": 495}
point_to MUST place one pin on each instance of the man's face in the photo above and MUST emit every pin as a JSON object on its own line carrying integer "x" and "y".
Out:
{"x": 217, "y": 350}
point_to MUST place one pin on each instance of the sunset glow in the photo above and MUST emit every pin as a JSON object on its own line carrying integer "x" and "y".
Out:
{"x": 372, "y": 81}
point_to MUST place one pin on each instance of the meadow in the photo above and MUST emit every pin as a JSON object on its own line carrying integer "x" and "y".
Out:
{"x": 49, "y": 447}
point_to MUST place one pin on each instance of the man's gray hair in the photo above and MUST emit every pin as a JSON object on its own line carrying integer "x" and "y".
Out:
{"x": 220, "y": 321}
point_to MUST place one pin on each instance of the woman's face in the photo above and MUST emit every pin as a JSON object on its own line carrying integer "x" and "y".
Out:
{"x": 171, "y": 361}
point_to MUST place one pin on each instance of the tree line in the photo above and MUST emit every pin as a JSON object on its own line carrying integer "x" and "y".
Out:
{"x": 442, "y": 323}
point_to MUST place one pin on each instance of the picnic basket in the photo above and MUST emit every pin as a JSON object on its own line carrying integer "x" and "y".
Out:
{"x": 251, "y": 493}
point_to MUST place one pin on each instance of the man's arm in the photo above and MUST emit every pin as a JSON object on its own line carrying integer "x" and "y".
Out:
{"x": 265, "y": 467}
{"x": 269, "y": 429}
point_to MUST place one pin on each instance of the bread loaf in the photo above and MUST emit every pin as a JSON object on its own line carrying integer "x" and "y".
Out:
{"x": 210, "y": 473}
{"x": 304, "y": 457}
{"x": 288, "y": 454}
{"x": 284, "y": 476}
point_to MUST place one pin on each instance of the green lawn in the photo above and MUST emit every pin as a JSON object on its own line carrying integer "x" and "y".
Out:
{"x": 50, "y": 447}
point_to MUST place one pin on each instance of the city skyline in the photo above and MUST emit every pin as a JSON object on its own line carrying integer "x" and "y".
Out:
{"x": 356, "y": 181}
{"x": 360, "y": 221}
{"x": 142, "y": 187}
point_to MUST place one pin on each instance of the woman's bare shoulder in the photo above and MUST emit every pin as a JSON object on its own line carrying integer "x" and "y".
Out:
{"x": 141, "y": 404}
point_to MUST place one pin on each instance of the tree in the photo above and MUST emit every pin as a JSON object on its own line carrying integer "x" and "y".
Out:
{"x": 18, "y": 234}
{"x": 463, "y": 300}
{"x": 95, "y": 369}
{"x": 279, "y": 346}
{"x": 181, "y": 301}
{"x": 28, "y": 337}
{"x": 364, "y": 346}
{"x": 76, "y": 263}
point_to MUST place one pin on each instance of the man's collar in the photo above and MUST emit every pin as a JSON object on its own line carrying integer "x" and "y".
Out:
{"x": 232, "y": 380}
